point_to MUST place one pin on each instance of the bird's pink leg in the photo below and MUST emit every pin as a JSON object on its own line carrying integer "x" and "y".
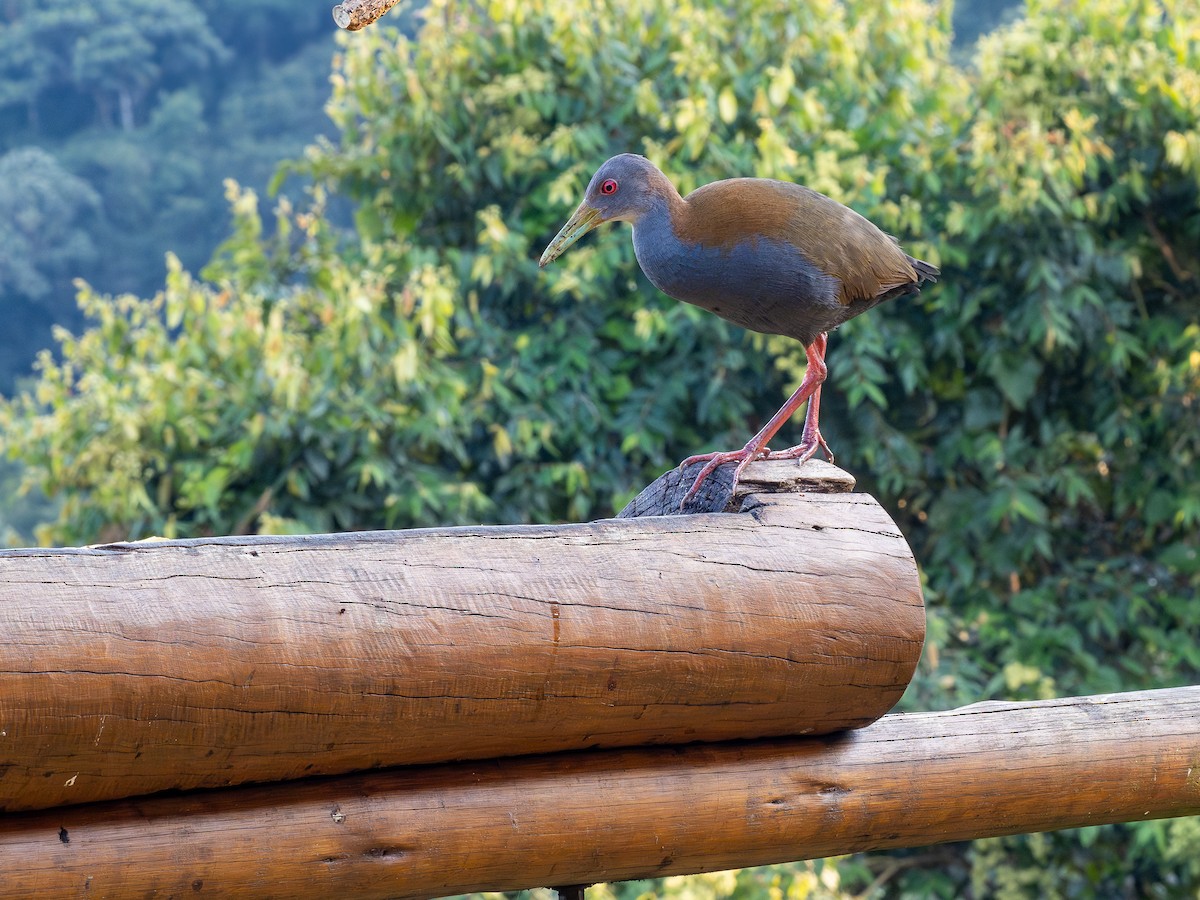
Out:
{"x": 756, "y": 447}
{"x": 811, "y": 438}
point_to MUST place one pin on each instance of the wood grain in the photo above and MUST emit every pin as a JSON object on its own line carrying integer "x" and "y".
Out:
{"x": 907, "y": 780}
{"x": 133, "y": 668}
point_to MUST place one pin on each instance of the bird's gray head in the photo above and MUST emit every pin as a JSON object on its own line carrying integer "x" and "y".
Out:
{"x": 625, "y": 187}
{"x": 622, "y": 190}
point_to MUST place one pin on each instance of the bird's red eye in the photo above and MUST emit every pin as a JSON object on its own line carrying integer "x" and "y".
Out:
{"x": 608, "y": 187}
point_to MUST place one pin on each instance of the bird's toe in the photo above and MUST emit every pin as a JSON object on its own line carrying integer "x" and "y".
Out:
{"x": 805, "y": 450}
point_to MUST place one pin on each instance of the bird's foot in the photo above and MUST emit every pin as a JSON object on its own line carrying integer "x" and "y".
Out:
{"x": 804, "y": 450}
{"x": 713, "y": 461}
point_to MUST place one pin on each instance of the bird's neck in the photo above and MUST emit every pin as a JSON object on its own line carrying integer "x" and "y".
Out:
{"x": 656, "y": 237}
{"x": 675, "y": 207}
{"x": 654, "y": 227}
{"x": 663, "y": 212}
{"x": 660, "y": 253}
{"x": 659, "y": 202}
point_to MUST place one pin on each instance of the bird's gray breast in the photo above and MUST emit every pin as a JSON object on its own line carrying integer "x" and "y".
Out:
{"x": 764, "y": 285}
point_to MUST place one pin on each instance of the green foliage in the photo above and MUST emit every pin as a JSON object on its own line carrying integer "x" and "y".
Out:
{"x": 1032, "y": 422}
{"x": 1044, "y": 465}
{"x": 204, "y": 410}
{"x": 1060, "y": 392}
{"x": 1158, "y": 860}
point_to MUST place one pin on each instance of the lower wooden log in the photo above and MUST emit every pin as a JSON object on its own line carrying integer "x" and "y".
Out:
{"x": 907, "y": 780}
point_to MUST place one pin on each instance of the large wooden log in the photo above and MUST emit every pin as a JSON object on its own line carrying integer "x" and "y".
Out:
{"x": 907, "y": 780}
{"x": 133, "y": 668}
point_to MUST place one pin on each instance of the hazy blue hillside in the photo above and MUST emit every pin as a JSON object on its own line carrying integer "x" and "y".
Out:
{"x": 119, "y": 123}
{"x": 975, "y": 18}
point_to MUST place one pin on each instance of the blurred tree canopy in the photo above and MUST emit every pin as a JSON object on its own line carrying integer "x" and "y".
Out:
{"x": 144, "y": 107}
{"x": 40, "y": 245}
{"x": 1033, "y": 422}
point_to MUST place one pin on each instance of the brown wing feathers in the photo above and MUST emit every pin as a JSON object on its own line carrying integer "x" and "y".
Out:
{"x": 840, "y": 242}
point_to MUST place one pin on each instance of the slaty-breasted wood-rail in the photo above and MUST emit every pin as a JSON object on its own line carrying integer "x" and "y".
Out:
{"x": 770, "y": 256}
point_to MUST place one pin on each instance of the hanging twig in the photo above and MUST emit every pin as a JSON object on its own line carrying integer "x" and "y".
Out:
{"x": 353, "y": 15}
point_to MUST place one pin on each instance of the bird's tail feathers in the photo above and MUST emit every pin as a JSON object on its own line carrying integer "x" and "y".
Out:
{"x": 925, "y": 271}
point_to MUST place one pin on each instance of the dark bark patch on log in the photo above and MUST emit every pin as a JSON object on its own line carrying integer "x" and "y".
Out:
{"x": 664, "y": 496}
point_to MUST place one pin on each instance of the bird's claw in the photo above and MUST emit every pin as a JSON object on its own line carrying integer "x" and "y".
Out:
{"x": 713, "y": 461}
{"x": 805, "y": 450}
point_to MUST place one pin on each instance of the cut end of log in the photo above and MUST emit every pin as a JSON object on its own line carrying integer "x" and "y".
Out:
{"x": 775, "y": 476}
